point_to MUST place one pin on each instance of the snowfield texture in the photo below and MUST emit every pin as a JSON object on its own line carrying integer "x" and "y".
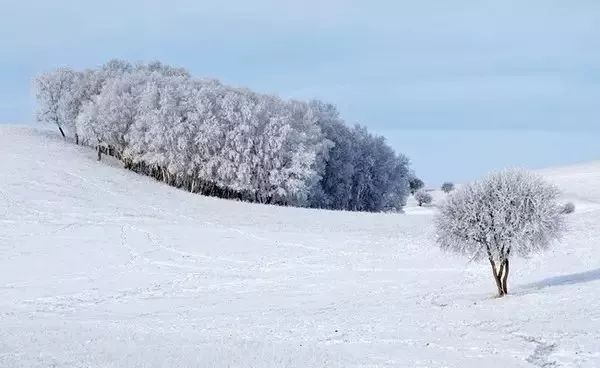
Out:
{"x": 101, "y": 267}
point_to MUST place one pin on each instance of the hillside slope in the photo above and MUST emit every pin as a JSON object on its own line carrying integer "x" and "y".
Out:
{"x": 103, "y": 267}
{"x": 579, "y": 183}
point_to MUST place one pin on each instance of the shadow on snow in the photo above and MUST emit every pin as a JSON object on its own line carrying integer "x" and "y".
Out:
{"x": 570, "y": 279}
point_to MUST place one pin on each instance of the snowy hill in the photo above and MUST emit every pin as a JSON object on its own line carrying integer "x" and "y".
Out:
{"x": 579, "y": 183}
{"x": 103, "y": 267}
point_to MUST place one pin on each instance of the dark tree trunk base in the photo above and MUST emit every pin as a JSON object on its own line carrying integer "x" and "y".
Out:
{"x": 501, "y": 276}
{"x": 497, "y": 275}
{"x": 505, "y": 278}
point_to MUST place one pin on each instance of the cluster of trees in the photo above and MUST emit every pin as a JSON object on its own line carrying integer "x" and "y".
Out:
{"x": 422, "y": 195}
{"x": 213, "y": 139}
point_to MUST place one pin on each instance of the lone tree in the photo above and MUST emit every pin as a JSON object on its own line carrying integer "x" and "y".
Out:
{"x": 507, "y": 213}
{"x": 415, "y": 184}
{"x": 447, "y": 187}
{"x": 423, "y": 197}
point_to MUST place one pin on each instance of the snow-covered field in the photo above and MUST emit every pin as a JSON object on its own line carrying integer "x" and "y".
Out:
{"x": 101, "y": 267}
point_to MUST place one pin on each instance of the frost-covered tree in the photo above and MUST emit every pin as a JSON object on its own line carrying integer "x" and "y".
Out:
{"x": 107, "y": 117}
{"x": 505, "y": 214}
{"x": 218, "y": 140}
{"x": 58, "y": 93}
{"x": 423, "y": 197}
{"x": 415, "y": 183}
{"x": 303, "y": 151}
{"x": 336, "y": 184}
{"x": 387, "y": 183}
{"x": 447, "y": 187}
{"x": 361, "y": 173}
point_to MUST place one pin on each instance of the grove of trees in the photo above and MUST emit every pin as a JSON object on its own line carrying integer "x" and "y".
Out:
{"x": 205, "y": 137}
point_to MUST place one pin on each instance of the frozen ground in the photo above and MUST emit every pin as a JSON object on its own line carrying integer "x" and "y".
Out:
{"x": 100, "y": 267}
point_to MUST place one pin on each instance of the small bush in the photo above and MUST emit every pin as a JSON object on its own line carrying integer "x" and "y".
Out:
{"x": 568, "y": 208}
{"x": 423, "y": 197}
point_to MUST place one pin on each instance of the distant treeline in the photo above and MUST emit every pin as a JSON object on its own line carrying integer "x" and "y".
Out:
{"x": 208, "y": 138}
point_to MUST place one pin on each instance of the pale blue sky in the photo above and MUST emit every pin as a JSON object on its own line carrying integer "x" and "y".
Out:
{"x": 529, "y": 70}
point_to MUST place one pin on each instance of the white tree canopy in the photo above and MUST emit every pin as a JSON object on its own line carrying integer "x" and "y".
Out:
{"x": 221, "y": 140}
{"x": 511, "y": 212}
{"x": 423, "y": 197}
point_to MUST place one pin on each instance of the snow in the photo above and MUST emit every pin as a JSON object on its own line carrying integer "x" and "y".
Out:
{"x": 579, "y": 183}
{"x": 102, "y": 267}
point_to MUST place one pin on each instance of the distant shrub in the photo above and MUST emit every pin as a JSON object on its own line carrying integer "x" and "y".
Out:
{"x": 423, "y": 197}
{"x": 568, "y": 208}
{"x": 447, "y": 187}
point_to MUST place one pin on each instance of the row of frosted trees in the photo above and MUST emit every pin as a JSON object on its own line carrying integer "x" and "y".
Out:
{"x": 213, "y": 139}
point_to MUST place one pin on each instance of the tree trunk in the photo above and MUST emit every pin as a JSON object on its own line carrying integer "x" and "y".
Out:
{"x": 497, "y": 278}
{"x": 76, "y": 138}
{"x": 505, "y": 278}
{"x": 99, "y": 152}
{"x": 62, "y": 132}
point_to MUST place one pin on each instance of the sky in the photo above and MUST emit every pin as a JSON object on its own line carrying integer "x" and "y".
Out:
{"x": 460, "y": 86}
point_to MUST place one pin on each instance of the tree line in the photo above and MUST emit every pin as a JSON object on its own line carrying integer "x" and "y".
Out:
{"x": 213, "y": 139}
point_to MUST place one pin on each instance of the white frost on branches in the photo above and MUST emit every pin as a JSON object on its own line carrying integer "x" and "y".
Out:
{"x": 218, "y": 140}
{"x": 507, "y": 213}
{"x": 423, "y": 197}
